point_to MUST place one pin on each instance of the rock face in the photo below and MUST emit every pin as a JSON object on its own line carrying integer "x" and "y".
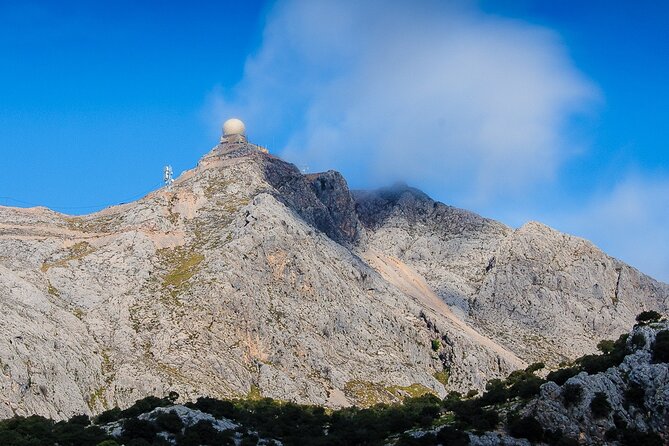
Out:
{"x": 637, "y": 392}
{"x": 247, "y": 277}
{"x": 544, "y": 295}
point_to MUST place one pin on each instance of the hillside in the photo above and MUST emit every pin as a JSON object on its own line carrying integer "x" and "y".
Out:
{"x": 618, "y": 397}
{"x": 248, "y": 278}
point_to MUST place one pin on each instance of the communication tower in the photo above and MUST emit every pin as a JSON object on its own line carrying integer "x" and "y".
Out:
{"x": 167, "y": 176}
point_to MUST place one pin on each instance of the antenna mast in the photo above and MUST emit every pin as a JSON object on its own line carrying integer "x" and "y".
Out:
{"x": 167, "y": 176}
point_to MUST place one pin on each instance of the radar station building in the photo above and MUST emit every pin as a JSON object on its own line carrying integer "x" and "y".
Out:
{"x": 234, "y": 131}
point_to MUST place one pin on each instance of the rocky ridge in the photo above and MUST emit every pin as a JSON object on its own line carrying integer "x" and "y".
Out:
{"x": 544, "y": 295}
{"x": 637, "y": 393}
{"x": 247, "y": 277}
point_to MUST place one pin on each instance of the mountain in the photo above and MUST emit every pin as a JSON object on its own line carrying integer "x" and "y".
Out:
{"x": 246, "y": 277}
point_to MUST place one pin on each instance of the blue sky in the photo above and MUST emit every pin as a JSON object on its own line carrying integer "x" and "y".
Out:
{"x": 519, "y": 110}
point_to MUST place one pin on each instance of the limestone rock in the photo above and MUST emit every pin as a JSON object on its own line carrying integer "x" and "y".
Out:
{"x": 248, "y": 277}
{"x": 648, "y": 412}
{"x": 544, "y": 295}
{"x": 242, "y": 278}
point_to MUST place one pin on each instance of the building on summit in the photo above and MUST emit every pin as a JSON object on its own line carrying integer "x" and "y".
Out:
{"x": 234, "y": 136}
{"x": 234, "y": 131}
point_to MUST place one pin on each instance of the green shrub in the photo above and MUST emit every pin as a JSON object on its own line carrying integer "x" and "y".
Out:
{"x": 633, "y": 437}
{"x": 109, "y": 416}
{"x": 534, "y": 367}
{"x": 565, "y": 441}
{"x": 571, "y": 394}
{"x": 428, "y": 439}
{"x": 436, "y": 344}
{"x": 169, "y": 422}
{"x": 606, "y": 346}
{"x": 452, "y": 437}
{"x": 638, "y": 340}
{"x": 561, "y": 376}
{"x": 134, "y": 428}
{"x": 82, "y": 420}
{"x": 647, "y": 317}
{"x": 635, "y": 395}
{"x": 472, "y": 393}
{"x": 203, "y": 433}
{"x": 470, "y": 415}
{"x": 527, "y": 427}
{"x": 145, "y": 405}
{"x": 527, "y": 387}
{"x": 496, "y": 392}
{"x": 600, "y": 406}
{"x": 612, "y": 434}
{"x": 593, "y": 364}
{"x": 661, "y": 347}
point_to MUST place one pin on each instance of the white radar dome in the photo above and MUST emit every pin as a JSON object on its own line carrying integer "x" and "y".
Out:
{"x": 233, "y": 126}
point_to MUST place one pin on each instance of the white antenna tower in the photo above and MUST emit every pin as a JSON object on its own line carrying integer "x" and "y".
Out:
{"x": 167, "y": 176}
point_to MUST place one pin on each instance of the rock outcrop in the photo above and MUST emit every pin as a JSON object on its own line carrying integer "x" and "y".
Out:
{"x": 636, "y": 394}
{"x": 544, "y": 295}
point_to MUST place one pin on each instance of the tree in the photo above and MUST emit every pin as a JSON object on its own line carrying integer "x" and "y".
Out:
{"x": 647, "y": 317}
{"x": 572, "y": 394}
{"x": 606, "y": 346}
{"x": 600, "y": 406}
{"x": 527, "y": 427}
{"x": 661, "y": 347}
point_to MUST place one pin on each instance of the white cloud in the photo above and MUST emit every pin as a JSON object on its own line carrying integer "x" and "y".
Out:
{"x": 446, "y": 98}
{"x": 441, "y": 96}
{"x": 629, "y": 222}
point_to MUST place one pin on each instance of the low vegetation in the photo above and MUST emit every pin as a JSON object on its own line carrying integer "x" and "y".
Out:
{"x": 75, "y": 252}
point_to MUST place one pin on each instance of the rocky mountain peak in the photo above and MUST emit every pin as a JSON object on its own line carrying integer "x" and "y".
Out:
{"x": 248, "y": 277}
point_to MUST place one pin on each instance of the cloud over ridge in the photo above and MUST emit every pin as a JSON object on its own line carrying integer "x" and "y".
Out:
{"x": 442, "y": 96}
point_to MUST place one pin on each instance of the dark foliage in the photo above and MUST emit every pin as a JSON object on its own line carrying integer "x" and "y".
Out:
{"x": 613, "y": 353}
{"x": 169, "y": 422}
{"x": 141, "y": 406}
{"x": 633, "y": 437}
{"x": 638, "y": 341}
{"x": 496, "y": 392}
{"x": 470, "y": 414}
{"x": 635, "y": 395}
{"x": 600, "y": 406}
{"x": 522, "y": 384}
{"x": 203, "y": 433}
{"x": 661, "y": 347}
{"x": 109, "y": 415}
{"x": 134, "y": 428}
{"x": 301, "y": 425}
{"x": 527, "y": 427}
{"x": 565, "y": 441}
{"x": 39, "y": 431}
{"x": 572, "y": 394}
{"x": 606, "y": 346}
{"x": 647, "y": 317}
{"x": 452, "y": 437}
{"x": 561, "y": 376}
{"x": 535, "y": 367}
{"x": 612, "y": 434}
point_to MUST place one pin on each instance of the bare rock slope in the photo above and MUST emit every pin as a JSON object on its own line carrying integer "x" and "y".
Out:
{"x": 544, "y": 295}
{"x": 248, "y": 278}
